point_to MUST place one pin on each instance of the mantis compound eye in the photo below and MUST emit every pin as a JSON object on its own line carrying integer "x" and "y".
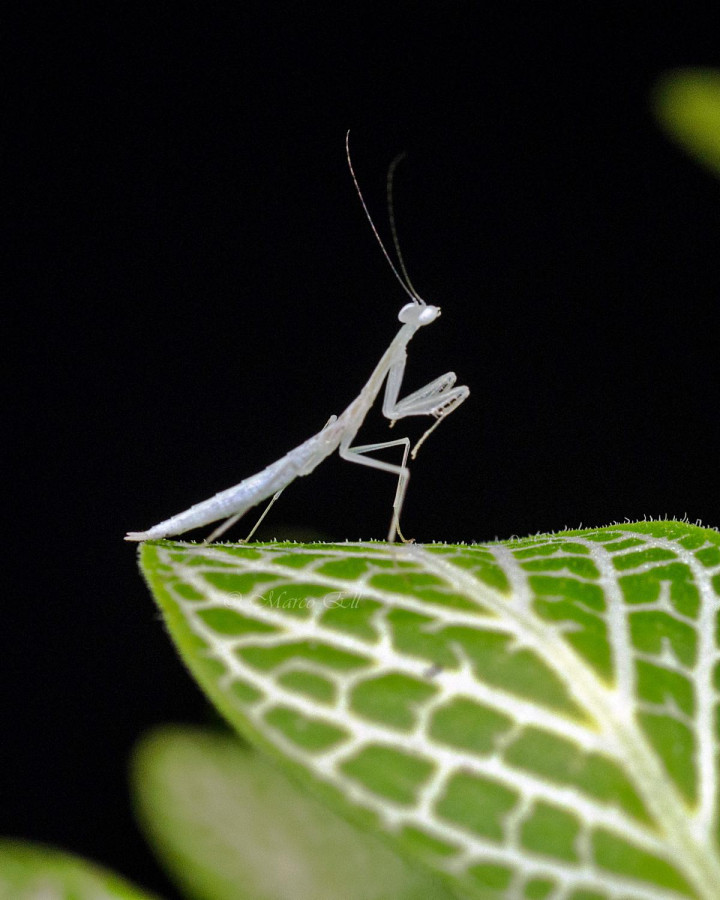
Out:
{"x": 428, "y": 314}
{"x": 409, "y": 313}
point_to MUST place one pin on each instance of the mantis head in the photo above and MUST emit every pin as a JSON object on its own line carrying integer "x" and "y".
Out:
{"x": 418, "y": 314}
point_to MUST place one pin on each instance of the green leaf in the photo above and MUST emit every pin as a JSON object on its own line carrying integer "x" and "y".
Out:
{"x": 35, "y": 872}
{"x": 687, "y": 103}
{"x": 229, "y": 825}
{"x": 534, "y": 718}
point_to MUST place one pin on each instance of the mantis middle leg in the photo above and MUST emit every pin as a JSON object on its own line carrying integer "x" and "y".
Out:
{"x": 357, "y": 455}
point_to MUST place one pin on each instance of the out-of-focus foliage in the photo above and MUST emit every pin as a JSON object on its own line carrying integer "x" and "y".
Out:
{"x": 687, "y": 103}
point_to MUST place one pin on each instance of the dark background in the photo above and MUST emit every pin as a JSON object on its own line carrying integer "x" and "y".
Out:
{"x": 194, "y": 290}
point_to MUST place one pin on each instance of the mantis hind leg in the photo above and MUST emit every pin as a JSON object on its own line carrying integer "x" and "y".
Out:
{"x": 228, "y": 523}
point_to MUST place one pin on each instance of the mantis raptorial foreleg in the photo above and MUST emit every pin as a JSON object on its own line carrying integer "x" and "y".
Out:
{"x": 437, "y": 398}
{"x": 357, "y": 455}
{"x": 417, "y": 402}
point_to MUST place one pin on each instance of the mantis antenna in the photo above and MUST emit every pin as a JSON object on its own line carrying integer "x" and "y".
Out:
{"x": 393, "y": 228}
{"x": 408, "y": 288}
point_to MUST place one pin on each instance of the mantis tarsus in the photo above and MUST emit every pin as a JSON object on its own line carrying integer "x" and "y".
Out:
{"x": 438, "y": 398}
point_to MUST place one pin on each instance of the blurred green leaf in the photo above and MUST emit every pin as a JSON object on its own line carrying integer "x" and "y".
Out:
{"x": 230, "y": 825}
{"x": 687, "y": 103}
{"x": 35, "y": 872}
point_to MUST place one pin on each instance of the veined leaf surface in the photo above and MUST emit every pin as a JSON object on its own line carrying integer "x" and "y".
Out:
{"x": 535, "y": 719}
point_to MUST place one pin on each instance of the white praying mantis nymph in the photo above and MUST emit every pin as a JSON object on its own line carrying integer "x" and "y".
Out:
{"x": 438, "y": 399}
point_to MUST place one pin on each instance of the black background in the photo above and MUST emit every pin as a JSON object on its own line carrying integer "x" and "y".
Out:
{"x": 194, "y": 290}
